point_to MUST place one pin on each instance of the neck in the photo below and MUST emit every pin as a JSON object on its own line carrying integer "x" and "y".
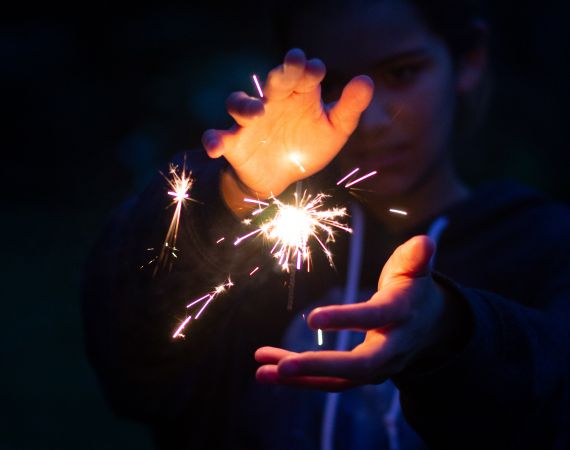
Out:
{"x": 432, "y": 195}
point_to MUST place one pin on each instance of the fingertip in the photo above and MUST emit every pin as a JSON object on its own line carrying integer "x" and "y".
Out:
{"x": 318, "y": 318}
{"x": 362, "y": 87}
{"x": 294, "y": 57}
{"x": 422, "y": 245}
{"x": 414, "y": 255}
{"x": 365, "y": 80}
{"x": 315, "y": 67}
{"x": 210, "y": 140}
{"x": 261, "y": 353}
{"x": 267, "y": 375}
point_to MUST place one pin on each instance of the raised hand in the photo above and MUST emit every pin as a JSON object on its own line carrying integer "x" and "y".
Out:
{"x": 408, "y": 317}
{"x": 289, "y": 134}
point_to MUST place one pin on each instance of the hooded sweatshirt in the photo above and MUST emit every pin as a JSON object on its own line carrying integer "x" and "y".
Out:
{"x": 504, "y": 256}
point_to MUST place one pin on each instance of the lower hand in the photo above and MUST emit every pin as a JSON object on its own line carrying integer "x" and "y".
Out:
{"x": 403, "y": 321}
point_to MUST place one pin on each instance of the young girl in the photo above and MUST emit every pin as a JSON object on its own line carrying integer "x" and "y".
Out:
{"x": 474, "y": 337}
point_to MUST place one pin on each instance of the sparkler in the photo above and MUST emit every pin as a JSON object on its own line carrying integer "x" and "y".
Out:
{"x": 180, "y": 183}
{"x": 204, "y": 301}
{"x": 294, "y": 225}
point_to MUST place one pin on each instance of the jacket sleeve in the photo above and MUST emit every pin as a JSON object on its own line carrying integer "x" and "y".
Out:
{"x": 130, "y": 313}
{"x": 508, "y": 387}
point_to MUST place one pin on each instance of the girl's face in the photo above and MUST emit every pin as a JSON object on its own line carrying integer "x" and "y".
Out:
{"x": 406, "y": 131}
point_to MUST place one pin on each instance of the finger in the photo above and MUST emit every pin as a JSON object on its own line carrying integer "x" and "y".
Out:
{"x": 270, "y": 375}
{"x": 353, "y": 365}
{"x": 271, "y": 355}
{"x": 282, "y": 80}
{"x": 381, "y": 311}
{"x": 355, "y": 98}
{"x": 315, "y": 71}
{"x": 216, "y": 142}
{"x": 244, "y": 108}
{"x": 411, "y": 259}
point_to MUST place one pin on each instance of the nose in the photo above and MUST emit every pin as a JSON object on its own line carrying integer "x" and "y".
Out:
{"x": 377, "y": 115}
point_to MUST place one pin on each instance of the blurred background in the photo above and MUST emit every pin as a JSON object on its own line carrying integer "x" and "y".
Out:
{"x": 98, "y": 99}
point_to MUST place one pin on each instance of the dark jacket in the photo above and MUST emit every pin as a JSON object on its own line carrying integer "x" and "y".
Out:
{"x": 505, "y": 254}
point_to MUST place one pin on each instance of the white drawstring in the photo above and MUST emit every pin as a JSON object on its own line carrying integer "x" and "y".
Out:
{"x": 350, "y": 293}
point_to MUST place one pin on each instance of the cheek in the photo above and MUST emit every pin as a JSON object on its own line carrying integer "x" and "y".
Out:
{"x": 433, "y": 101}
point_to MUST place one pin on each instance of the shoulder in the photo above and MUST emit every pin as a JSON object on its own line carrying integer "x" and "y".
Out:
{"x": 507, "y": 238}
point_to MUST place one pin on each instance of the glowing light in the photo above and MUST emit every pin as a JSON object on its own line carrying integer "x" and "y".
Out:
{"x": 220, "y": 240}
{"x": 180, "y": 183}
{"x": 346, "y": 177}
{"x": 398, "y": 211}
{"x": 320, "y": 337}
{"x": 362, "y": 178}
{"x": 296, "y": 159}
{"x": 253, "y": 271}
{"x": 294, "y": 225}
{"x": 205, "y": 300}
{"x": 178, "y": 332}
{"x": 257, "y": 85}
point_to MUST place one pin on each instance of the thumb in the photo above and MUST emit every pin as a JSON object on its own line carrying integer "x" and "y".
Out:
{"x": 411, "y": 260}
{"x": 355, "y": 98}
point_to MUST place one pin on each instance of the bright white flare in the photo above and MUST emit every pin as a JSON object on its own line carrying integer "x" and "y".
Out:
{"x": 257, "y": 85}
{"x": 296, "y": 159}
{"x": 180, "y": 183}
{"x": 294, "y": 225}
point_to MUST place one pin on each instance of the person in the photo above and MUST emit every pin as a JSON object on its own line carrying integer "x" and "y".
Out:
{"x": 471, "y": 339}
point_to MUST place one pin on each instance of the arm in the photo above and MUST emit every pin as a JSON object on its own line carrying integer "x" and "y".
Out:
{"x": 473, "y": 368}
{"x": 130, "y": 315}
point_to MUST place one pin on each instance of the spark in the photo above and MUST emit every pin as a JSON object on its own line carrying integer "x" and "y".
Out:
{"x": 293, "y": 226}
{"x": 205, "y": 300}
{"x": 362, "y": 178}
{"x": 257, "y": 85}
{"x": 220, "y": 240}
{"x": 259, "y": 202}
{"x": 253, "y": 271}
{"x": 296, "y": 159}
{"x": 180, "y": 183}
{"x": 178, "y": 332}
{"x": 398, "y": 211}
{"x": 320, "y": 337}
{"x": 346, "y": 177}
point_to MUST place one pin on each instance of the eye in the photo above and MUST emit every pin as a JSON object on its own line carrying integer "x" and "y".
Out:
{"x": 402, "y": 74}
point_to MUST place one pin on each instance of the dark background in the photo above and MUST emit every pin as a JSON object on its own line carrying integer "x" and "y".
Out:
{"x": 97, "y": 100}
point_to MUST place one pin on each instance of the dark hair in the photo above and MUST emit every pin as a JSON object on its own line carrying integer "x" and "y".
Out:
{"x": 452, "y": 20}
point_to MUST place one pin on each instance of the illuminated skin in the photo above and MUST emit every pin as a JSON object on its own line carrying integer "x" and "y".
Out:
{"x": 405, "y": 133}
{"x": 290, "y": 121}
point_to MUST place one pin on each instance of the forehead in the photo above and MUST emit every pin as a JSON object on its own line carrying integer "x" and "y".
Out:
{"x": 361, "y": 33}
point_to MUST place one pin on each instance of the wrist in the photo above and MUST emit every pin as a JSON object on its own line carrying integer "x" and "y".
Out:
{"x": 450, "y": 333}
{"x": 234, "y": 191}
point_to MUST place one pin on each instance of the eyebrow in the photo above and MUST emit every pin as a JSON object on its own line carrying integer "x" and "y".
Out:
{"x": 382, "y": 62}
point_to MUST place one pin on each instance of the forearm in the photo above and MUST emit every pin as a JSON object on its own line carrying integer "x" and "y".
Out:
{"x": 494, "y": 391}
